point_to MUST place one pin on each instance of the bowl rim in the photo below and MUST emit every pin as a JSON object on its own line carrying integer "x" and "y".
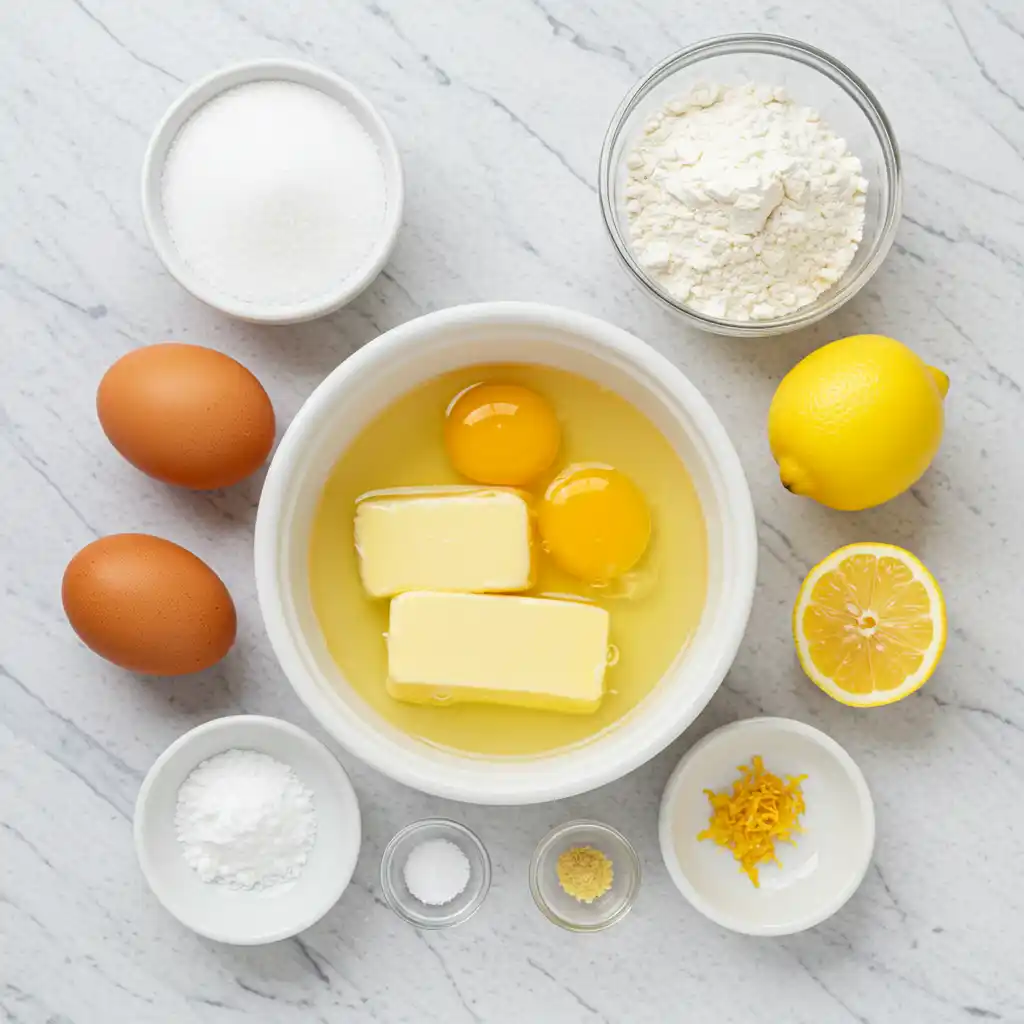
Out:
{"x": 228, "y": 724}
{"x": 209, "y": 87}
{"x": 666, "y": 821}
{"x": 381, "y": 752}
{"x": 788, "y": 48}
{"x": 388, "y": 856}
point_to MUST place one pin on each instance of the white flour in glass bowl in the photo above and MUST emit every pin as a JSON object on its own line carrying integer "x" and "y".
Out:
{"x": 742, "y": 204}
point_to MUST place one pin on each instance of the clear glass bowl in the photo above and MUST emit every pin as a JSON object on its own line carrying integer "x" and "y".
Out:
{"x": 423, "y": 915}
{"x": 567, "y": 911}
{"x": 813, "y": 78}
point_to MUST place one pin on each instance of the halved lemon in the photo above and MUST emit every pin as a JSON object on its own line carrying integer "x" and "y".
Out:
{"x": 869, "y": 624}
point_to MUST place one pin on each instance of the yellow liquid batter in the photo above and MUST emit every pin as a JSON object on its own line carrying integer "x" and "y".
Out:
{"x": 654, "y": 611}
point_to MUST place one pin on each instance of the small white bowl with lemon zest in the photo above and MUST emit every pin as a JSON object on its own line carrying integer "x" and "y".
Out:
{"x": 816, "y": 874}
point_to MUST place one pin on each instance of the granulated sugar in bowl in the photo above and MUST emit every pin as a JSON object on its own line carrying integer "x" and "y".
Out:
{"x": 273, "y": 191}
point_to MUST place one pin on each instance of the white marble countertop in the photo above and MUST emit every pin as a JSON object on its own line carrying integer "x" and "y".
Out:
{"x": 499, "y": 110}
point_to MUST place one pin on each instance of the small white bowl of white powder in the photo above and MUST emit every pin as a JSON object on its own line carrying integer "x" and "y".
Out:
{"x": 273, "y": 191}
{"x": 247, "y": 829}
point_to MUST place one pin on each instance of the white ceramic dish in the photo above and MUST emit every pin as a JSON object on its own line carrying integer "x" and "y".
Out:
{"x": 371, "y": 380}
{"x": 248, "y": 917}
{"x": 201, "y": 93}
{"x": 818, "y": 875}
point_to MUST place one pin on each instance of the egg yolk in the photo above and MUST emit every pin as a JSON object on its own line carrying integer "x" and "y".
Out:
{"x": 594, "y": 522}
{"x": 501, "y": 434}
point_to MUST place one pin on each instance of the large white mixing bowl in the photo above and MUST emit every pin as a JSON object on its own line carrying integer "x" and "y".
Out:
{"x": 372, "y": 379}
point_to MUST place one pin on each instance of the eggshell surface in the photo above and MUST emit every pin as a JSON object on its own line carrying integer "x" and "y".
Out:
{"x": 148, "y": 605}
{"x": 187, "y": 415}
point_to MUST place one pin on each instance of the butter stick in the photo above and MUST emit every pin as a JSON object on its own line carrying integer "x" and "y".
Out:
{"x": 463, "y": 539}
{"x": 523, "y": 651}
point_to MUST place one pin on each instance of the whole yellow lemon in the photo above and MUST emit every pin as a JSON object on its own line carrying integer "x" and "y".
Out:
{"x": 857, "y": 422}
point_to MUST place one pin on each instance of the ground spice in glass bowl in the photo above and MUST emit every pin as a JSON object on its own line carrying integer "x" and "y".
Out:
{"x": 585, "y": 873}
{"x": 584, "y": 876}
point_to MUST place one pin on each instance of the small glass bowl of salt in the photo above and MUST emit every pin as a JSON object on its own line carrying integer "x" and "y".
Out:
{"x": 435, "y": 873}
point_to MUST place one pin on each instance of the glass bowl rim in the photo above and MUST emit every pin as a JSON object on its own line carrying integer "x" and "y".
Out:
{"x": 818, "y": 60}
{"x": 559, "y": 832}
{"x": 388, "y": 856}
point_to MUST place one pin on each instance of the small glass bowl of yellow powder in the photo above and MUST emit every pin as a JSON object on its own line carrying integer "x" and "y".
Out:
{"x": 584, "y": 876}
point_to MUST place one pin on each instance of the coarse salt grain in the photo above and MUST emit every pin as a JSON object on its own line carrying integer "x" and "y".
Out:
{"x": 274, "y": 193}
{"x": 436, "y": 872}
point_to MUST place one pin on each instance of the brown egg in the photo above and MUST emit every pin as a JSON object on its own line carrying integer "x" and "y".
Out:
{"x": 148, "y": 605}
{"x": 186, "y": 415}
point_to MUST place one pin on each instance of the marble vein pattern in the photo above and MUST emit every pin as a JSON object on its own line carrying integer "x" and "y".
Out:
{"x": 499, "y": 109}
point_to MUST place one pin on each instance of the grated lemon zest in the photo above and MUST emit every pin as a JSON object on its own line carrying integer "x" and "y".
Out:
{"x": 760, "y": 810}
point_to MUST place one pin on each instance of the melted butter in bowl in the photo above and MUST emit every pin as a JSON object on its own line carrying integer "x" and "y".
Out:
{"x": 653, "y": 608}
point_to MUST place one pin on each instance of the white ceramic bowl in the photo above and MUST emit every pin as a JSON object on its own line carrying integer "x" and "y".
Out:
{"x": 208, "y": 88}
{"x": 371, "y": 380}
{"x": 248, "y": 917}
{"x": 818, "y": 875}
